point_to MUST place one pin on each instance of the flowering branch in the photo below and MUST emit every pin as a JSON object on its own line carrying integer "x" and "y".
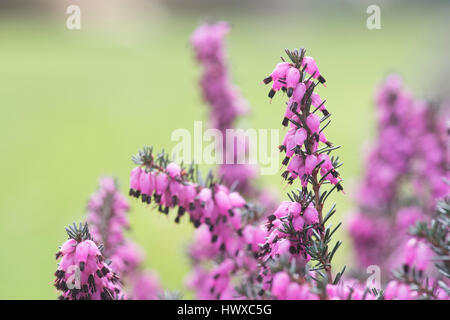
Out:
{"x": 298, "y": 227}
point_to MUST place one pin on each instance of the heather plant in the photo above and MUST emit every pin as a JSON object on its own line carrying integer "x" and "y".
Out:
{"x": 104, "y": 235}
{"x": 225, "y": 106}
{"x": 405, "y": 176}
{"x": 82, "y": 273}
{"x": 242, "y": 247}
{"x": 298, "y": 250}
{"x": 428, "y": 246}
{"x": 220, "y": 214}
{"x": 108, "y": 220}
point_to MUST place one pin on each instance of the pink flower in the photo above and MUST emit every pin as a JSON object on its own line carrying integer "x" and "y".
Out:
{"x": 311, "y": 68}
{"x": 280, "y": 285}
{"x": 311, "y": 215}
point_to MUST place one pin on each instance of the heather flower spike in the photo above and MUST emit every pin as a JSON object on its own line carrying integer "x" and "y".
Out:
{"x": 405, "y": 176}
{"x": 82, "y": 273}
{"x": 297, "y": 234}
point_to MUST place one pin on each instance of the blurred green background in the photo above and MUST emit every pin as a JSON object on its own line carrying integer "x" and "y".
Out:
{"x": 75, "y": 105}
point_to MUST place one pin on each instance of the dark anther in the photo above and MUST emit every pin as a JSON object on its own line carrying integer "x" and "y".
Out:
{"x": 285, "y": 161}
{"x": 316, "y": 136}
{"x": 285, "y": 122}
{"x": 208, "y": 221}
{"x": 137, "y": 193}
{"x": 283, "y": 89}
{"x": 282, "y": 148}
{"x": 289, "y": 92}
{"x": 85, "y": 288}
{"x": 285, "y": 175}
{"x": 99, "y": 273}
{"x": 211, "y": 228}
{"x": 64, "y": 287}
{"x": 181, "y": 211}
{"x": 105, "y": 271}
{"x": 131, "y": 193}
{"x": 321, "y": 79}
{"x": 292, "y": 250}
{"x": 231, "y": 212}
{"x": 108, "y": 293}
{"x": 74, "y": 293}
{"x": 166, "y": 210}
{"x": 216, "y": 276}
{"x": 177, "y": 219}
{"x": 267, "y": 80}
{"x": 271, "y": 93}
{"x": 149, "y": 199}
{"x": 222, "y": 247}
{"x": 214, "y": 238}
{"x": 259, "y": 278}
{"x": 406, "y": 268}
{"x": 261, "y": 292}
{"x": 339, "y": 187}
{"x": 196, "y": 223}
{"x": 91, "y": 283}
{"x": 325, "y": 112}
{"x": 82, "y": 264}
{"x": 191, "y": 206}
{"x": 239, "y": 232}
{"x": 174, "y": 200}
{"x": 60, "y": 274}
{"x": 271, "y": 217}
{"x": 224, "y": 219}
{"x": 144, "y": 198}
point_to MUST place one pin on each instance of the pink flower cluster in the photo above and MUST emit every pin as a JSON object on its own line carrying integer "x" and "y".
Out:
{"x": 82, "y": 273}
{"x": 224, "y": 100}
{"x": 218, "y": 91}
{"x": 411, "y": 142}
{"x": 224, "y": 221}
{"x": 404, "y": 176}
{"x": 285, "y": 287}
{"x": 398, "y": 290}
{"x": 107, "y": 220}
{"x": 286, "y": 227}
{"x": 169, "y": 186}
{"x": 296, "y": 231}
{"x": 302, "y": 141}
